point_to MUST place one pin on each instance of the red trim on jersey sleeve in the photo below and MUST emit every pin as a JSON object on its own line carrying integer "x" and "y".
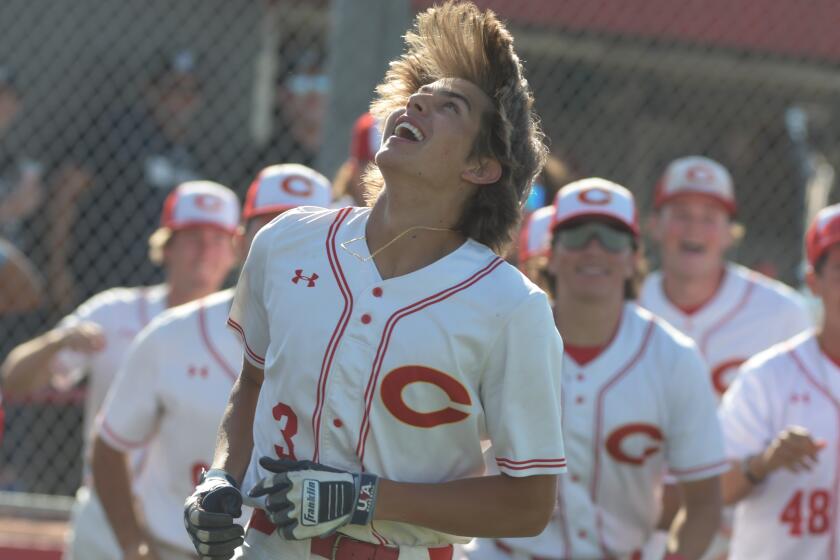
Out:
{"x": 510, "y": 464}
{"x": 117, "y": 441}
{"x": 251, "y": 354}
{"x": 713, "y": 468}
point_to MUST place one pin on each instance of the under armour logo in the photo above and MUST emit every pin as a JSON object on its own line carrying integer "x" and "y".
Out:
{"x": 310, "y": 280}
{"x": 804, "y": 398}
{"x": 192, "y": 371}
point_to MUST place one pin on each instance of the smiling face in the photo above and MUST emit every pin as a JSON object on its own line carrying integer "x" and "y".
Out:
{"x": 693, "y": 233}
{"x": 432, "y": 139}
{"x": 592, "y": 270}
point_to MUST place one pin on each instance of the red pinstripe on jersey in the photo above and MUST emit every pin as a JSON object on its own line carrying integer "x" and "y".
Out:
{"x": 704, "y": 340}
{"x": 338, "y": 331}
{"x": 386, "y": 339}
{"x": 208, "y": 342}
{"x": 599, "y": 413}
{"x": 238, "y": 328}
{"x": 530, "y": 464}
{"x": 835, "y": 488}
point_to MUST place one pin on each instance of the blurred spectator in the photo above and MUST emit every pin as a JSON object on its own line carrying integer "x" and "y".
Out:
{"x": 300, "y": 106}
{"x": 20, "y": 285}
{"x": 109, "y": 195}
{"x": 21, "y": 189}
{"x": 364, "y": 143}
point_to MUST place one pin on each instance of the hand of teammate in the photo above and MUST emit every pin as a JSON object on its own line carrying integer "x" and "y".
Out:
{"x": 793, "y": 449}
{"x": 306, "y": 500}
{"x": 209, "y": 516}
{"x": 87, "y": 338}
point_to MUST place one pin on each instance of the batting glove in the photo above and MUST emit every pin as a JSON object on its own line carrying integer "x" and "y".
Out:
{"x": 209, "y": 515}
{"x": 306, "y": 500}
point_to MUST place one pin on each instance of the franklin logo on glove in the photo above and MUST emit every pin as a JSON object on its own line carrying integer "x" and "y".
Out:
{"x": 310, "y": 502}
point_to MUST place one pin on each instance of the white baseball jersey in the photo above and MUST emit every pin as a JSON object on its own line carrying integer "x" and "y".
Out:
{"x": 643, "y": 404}
{"x": 169, "y": 396}
{"x": 121, "y": 313}
{"x": 748, "y": 314}
{"x": 400, "y": 377}
{"x": 789, "y": 515}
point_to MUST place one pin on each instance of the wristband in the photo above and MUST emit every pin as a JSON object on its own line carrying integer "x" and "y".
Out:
{"x": 218, "y": 473}
{"x": 748, "y": 474}
{"x": 367, "y": 485}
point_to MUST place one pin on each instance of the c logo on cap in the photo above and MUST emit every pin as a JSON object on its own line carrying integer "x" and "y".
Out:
{"x": 208, "y": 202}
{"x": 398, "y": 380}
{"x": 297, "y": 185}
{"x": 700, "y": 174}
{"x": 595, "y": 196}
{"x": 616, "y": 439}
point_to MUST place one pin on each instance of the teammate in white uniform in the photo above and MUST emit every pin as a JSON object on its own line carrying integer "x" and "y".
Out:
{"x": 172, "y": 390}
{"x": 637, "y": 398}
{"x": 781, "y": 423}
{"x": 731, "y": 312}
{"x": 195, "y": 245}
{"x": 377, "y": 362}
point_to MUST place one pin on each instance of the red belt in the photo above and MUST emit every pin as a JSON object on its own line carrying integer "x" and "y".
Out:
{"x": 637, "y": 555}
{"x": 342, "y": 547}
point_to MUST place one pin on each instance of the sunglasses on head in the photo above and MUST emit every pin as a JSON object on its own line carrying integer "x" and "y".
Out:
{"x": 612, "y": 239}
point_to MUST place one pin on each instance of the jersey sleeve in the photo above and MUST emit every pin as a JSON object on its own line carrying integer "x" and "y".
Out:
{"x": 797, "y": 319}
{"x": 745, "y": 415}
{"x": 130, "y": 413}
{"x": 248, "y": 317}
{"x": 69, "y": 366}
{"x": 520, "y": 392}
{"x": 693, "y": 435}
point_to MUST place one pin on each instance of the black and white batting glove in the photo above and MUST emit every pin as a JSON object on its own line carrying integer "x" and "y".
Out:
{"x": 306, "y": 500}
{"x": 209, "y": 516}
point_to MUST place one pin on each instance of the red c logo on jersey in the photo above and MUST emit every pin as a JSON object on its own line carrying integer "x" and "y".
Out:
{"x": 297, "y": 185}
{"x": 722, "y": 374}
{"x": 397, "y": 380}
{"x": 208, "y": 202}
{"x": 616, "y": 439}
{"x": 595, "y": 196}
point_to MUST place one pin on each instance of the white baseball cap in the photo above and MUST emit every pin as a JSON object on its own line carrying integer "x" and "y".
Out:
{"x": 278, "y": 188}
{"x": 595, "y": 197}
{"x": 823, "y": 232}
{"x": 200, "y": 203}
{"x": 535, "y": 237}
{"x": 696, "y": 175}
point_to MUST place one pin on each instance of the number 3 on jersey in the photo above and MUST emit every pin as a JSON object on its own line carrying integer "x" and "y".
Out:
{"x": 818, "y": 509}
{"x": 286, "y": 417}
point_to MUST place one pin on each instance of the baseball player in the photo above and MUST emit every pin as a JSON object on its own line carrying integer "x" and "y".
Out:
{"x": 172, "y": 390}
{"x": 637, "y": 398}
{"x": 377, "y": 361}
{"x": 730, "y": 312}
{"x": 781, "y": 424}
{"x": 195, "y": 246}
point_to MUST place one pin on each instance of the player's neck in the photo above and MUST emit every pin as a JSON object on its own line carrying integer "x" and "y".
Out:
{"x": 828, "y": 337}
{"x": 583, "y": 323}
{"x": 179, "y": 295}
{"x": 691, "y": 293}
{"x": 393, "y": 215}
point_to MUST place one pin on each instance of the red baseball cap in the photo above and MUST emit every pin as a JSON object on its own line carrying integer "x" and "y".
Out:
{"x": 366, "y": 138}
{"x": 200, "y": 203}
{"x": 278, "y": 188}
{"x": 595, "y": 197}
{"x": 696, "y": 175}
{"x": 823, "y": 232}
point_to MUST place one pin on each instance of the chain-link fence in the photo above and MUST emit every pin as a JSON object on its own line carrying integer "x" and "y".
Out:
{"x": 106, "y": 106}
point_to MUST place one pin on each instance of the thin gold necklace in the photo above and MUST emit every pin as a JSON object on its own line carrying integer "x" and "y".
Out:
{"x": 344, "y": 244}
